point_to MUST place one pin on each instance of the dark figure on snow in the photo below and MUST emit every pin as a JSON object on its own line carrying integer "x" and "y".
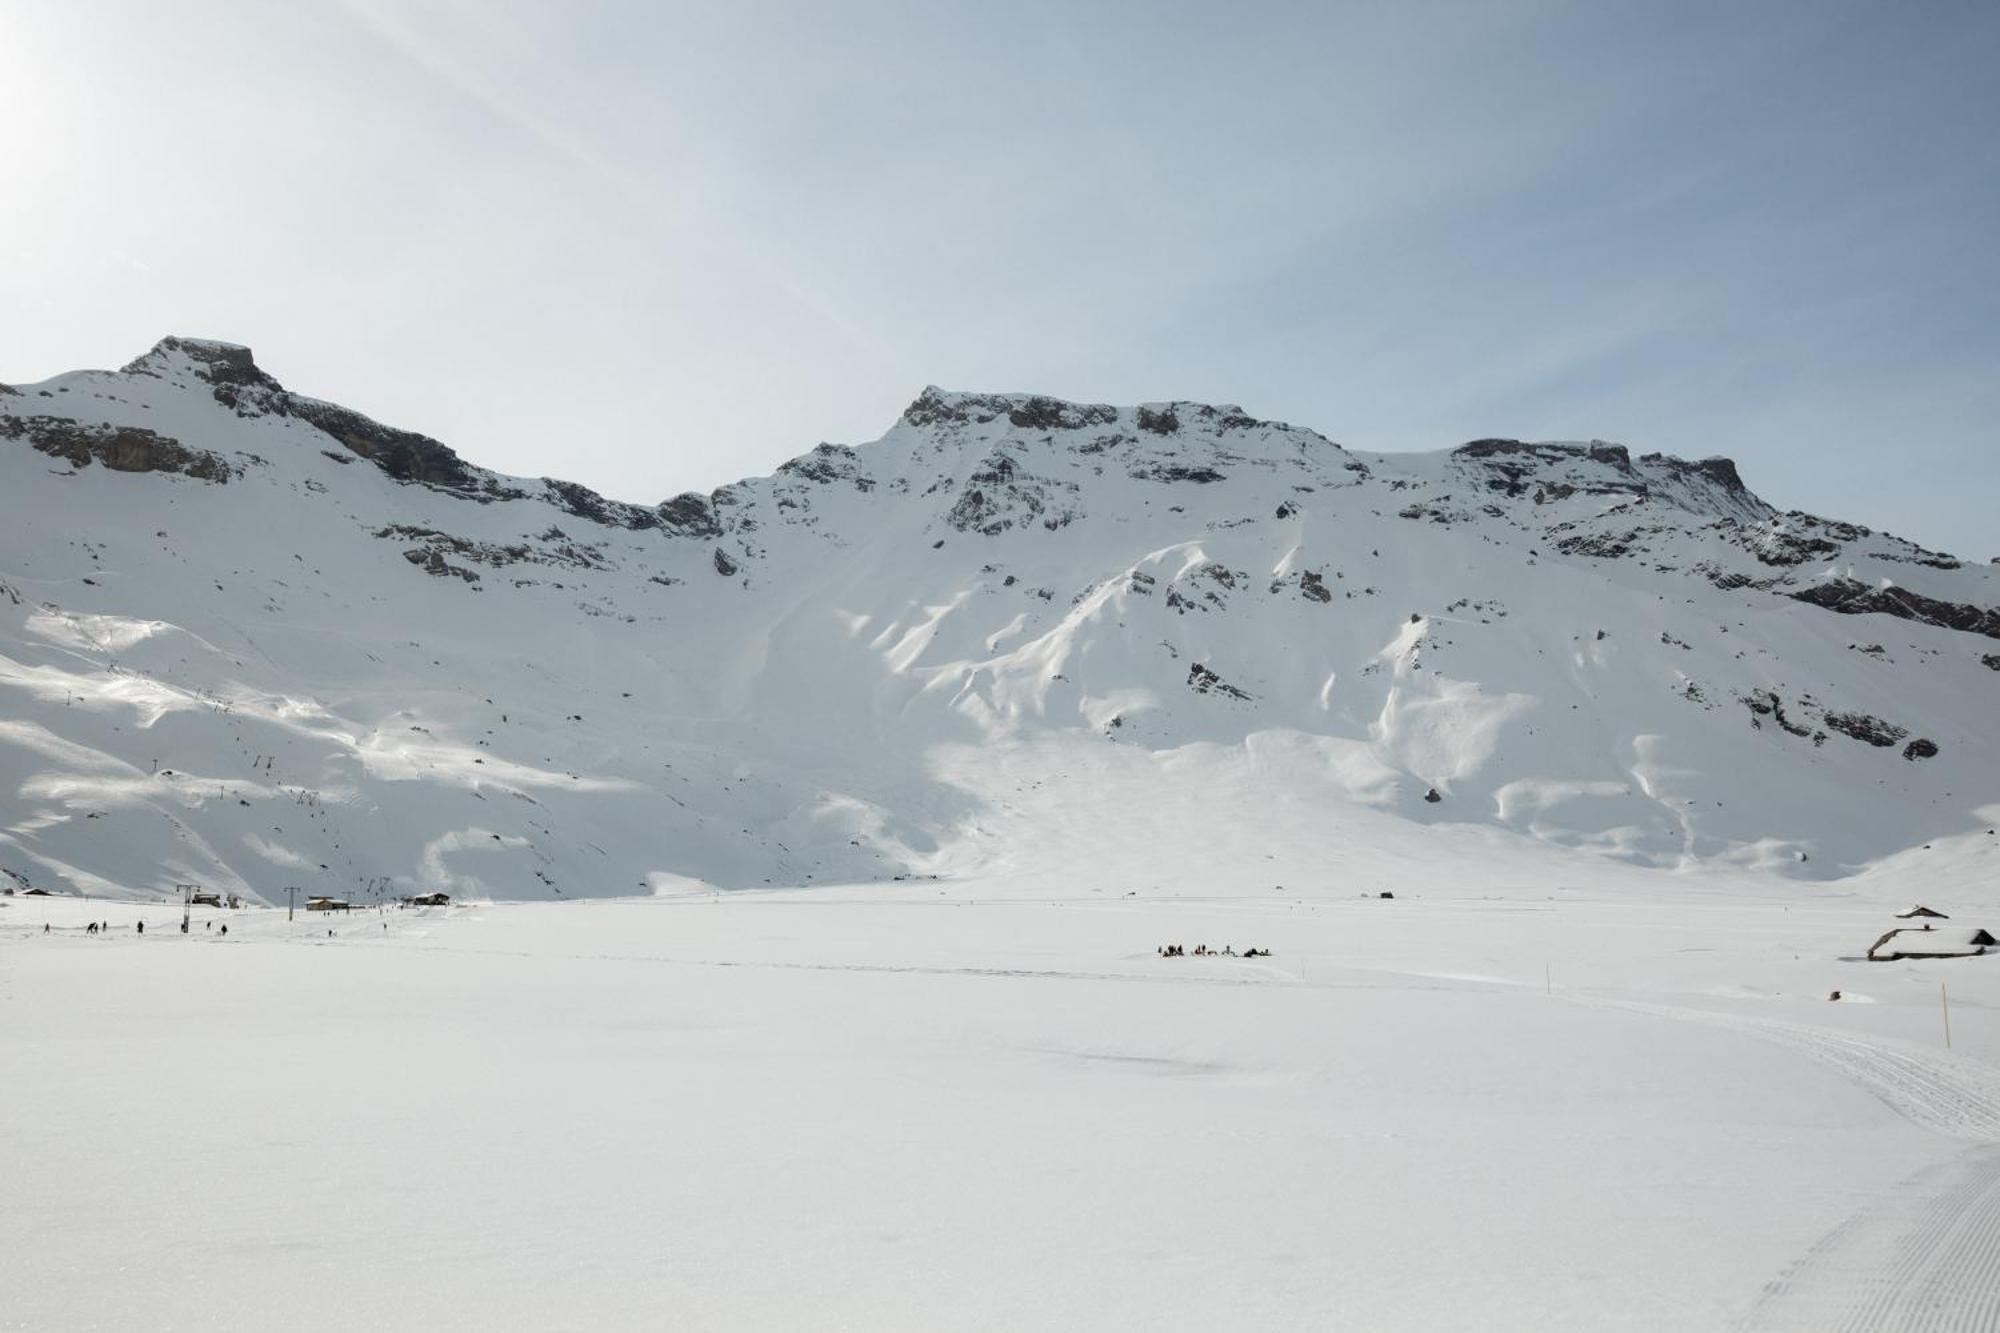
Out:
{"x": 225, "y": 929}
{"x": 139, "y": 926}
{"x": 90, "y": 929}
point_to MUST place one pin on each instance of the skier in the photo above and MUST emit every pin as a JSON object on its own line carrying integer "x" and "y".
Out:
{"x": 140, "y": 926}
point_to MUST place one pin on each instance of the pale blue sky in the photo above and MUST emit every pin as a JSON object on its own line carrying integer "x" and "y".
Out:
{"x": 655, "y": 247}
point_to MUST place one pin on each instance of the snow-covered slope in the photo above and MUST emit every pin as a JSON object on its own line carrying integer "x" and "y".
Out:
{"x": 254, "y": 640}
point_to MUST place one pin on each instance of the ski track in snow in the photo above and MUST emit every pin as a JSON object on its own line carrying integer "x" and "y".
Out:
{"x": 1942, "y": 1092}
{"x": 1927, "y": 1260}
{"x": 1927, "y": 1257}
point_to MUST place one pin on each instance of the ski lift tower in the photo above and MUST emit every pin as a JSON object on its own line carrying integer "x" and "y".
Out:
{"x": 187, "y": 903}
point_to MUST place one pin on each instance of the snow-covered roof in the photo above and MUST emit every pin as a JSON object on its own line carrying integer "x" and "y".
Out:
{"x": 1920, "y": 910}
{"x": 1909, "y": 942}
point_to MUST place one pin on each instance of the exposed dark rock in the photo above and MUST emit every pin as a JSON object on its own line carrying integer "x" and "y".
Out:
{"x": 1206, "y": 681}
{"x": 723, "y": 564}
{"x": 1991, "y": 661}
{"x": 1920, "y": 749}
{"x": 586, "y": 503}
{"x": 1175, "y": 472}
{"x": 1784, "y": 548}
{"x": 1098, "y": 444}
{"x": 404, "y": 455}
{"x": 1165, "y": 421}
{"x": 690, "y": 515}
{"x": 936, "y": 407}
{"x": 433, "y": 543}
{"x": 1314, "y": 586}
{"x": 1721, "y": 471}
{"x": 1431, "y": 797}
{"x": 828, "y": 463}
{"x": 1851, "y": 597}
{"x": 1766, "y": 703}
{"x": 1862, "y": 727}
{"x": 118, "y": 448}
{"x": 563, "y": 553}
{"x": 1037, "y": 414}
{"x": 1602, "y": 545}
{"x": 432, "y": 562}
{"x": 225, "y": 366}
{"x": 1498, "y": 448}
{"x": 998, "y": 496}
{"x": 933, "y": 406}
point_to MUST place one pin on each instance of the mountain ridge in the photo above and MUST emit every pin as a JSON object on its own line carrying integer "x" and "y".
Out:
{"x": 1535, "y": 634}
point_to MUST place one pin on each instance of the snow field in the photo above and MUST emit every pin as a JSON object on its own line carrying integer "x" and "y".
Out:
{"x": 891, "y": 1108}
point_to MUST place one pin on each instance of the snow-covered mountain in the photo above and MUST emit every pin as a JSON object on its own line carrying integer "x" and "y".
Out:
{"x": 253, "y": 639}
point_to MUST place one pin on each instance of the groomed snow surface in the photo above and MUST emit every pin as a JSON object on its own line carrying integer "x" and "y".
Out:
{"x": 991, "y": 1104}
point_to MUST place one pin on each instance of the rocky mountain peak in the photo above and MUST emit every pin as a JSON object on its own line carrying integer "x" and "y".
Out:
{"x": 207, "y": 359}
{"x": 1548, "y": 470}
{"x": 935, "y": 406}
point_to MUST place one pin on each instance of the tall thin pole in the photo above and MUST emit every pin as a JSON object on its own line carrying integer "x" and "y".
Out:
{"x": 1548, "y": 980}
{"x": 291, "y": 900}
{"x": 1944, "y": 1002}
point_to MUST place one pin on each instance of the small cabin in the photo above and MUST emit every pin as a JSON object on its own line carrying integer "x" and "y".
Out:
{"x": 328, "y": 905}
{"x": 429, "y": 900}
{"x": 1909, "y": 913}
{"x": 206, "y": 900}
{"x": 35, "y": 893}
{"x": 1906, "y": 942}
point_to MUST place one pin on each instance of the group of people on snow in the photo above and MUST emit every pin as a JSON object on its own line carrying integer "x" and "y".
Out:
{"x": 138, "y": 927}
{"x": 1203, "y": 951}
